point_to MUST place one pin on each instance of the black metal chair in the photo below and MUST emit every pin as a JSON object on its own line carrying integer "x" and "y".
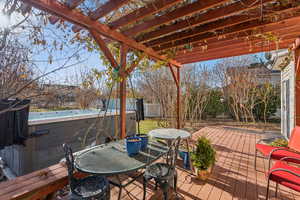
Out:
{"x": 163, "y": 173}
{"x": 88, "y": 188}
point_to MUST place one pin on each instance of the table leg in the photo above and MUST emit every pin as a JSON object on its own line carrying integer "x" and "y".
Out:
{"x": 120, "y": 188}
{"x": 123, "y": 186}
{"x": 188, "y": 149}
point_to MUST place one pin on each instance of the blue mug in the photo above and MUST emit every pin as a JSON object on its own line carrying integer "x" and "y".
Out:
{"x": 133, "y": 145}
{"x": 144, "y": 138}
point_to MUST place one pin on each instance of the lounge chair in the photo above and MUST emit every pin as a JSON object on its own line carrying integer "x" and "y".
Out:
{"x": 277, "y": 153}
{"x": 284, "y": 174}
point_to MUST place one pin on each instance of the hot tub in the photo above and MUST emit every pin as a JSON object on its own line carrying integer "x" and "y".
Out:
{"x": 49, "y": 130}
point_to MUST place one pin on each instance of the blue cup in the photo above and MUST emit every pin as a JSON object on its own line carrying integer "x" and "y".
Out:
{"x": 144, "y": 140}
{"x": 133, "y": 145}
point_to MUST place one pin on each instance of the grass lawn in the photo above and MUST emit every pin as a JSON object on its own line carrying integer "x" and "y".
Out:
{"x": 147, "y": 125}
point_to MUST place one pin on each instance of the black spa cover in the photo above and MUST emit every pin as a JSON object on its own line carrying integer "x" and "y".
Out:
{"x": 13, "y": 122}
{"x": 140, "y": 110}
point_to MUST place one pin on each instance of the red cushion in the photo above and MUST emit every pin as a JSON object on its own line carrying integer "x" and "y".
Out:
{"x": 265, "y": 149}
{"x": 294, "y": 142}
{"x": 277, "y": 155}
{"x": 285, "y": 178}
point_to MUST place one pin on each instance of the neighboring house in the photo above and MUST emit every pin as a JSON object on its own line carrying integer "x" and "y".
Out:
{"x": 261, "y": 72}
{"x": 281, "y": 60}
{"x": 265, "y": 74}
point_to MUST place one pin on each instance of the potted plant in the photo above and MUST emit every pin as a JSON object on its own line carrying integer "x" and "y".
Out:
{"x": 203, "y": 158}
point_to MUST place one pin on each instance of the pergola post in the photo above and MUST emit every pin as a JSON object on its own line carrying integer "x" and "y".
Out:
{"x": 297, "y": 81}
{"x": 176, "y": 77}
{"x": 122, "y": 72}
{"x": 178, "y": 99}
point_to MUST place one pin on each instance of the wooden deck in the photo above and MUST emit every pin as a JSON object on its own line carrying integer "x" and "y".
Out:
{"x": 233, "y": 176}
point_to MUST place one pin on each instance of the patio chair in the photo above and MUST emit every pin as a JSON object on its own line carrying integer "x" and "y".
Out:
{"x": 284, "y": 174}
{"x": 90, "y": 187}
{"x": 163, "y": 173}
{"x": 276, "y": 153}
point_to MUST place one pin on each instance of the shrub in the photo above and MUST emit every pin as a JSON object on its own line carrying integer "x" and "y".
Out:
{"x": 204, "y": 156}
{"x": 279, "y": 143}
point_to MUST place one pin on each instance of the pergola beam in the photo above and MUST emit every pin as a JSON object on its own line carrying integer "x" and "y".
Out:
{"x": 238, "y": 51}
{"x": 108, "y": 7}
{"x": 230, "y": 30}
{"x": 247, "y": 48}
{"x": 104, "y": 48}
{"x": 286, "y": 28}
{"x": 55, "y": 8}
{"x": 210, "y": 16}
{"x": 174, "y": 75}
{"x": 140, "y": 13}
{"x": 246, "y": 42}
{"x": 186, "y": 10}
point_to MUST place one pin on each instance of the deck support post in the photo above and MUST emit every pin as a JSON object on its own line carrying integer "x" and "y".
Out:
{"x": 296, "y": 48}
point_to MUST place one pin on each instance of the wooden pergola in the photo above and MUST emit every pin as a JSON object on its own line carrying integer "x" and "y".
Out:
{"x": 192, "y": 31}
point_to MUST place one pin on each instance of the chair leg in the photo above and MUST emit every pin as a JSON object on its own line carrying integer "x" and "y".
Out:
{"x": 175, "y": 182}
{"x": 120, "y": 193}
{"x": 255, "y": 158}
{"x": 276, "y": 190}
{"x": 144, "y": 188}
{"x": 269, "y": 165}
{"x": 267, "y": 193}
{"x": 165, "y": 189}
{"x": 156, "y": 185}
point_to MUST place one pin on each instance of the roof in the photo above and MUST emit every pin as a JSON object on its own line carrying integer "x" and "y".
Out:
{"x": 280, "y": 59}
{"x": 184, "y": 31}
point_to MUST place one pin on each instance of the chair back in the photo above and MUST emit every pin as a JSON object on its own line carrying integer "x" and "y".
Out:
{"x": 173, "y": 153}
{"x": 70, "y": 163}
{"x": 294, "y": 142}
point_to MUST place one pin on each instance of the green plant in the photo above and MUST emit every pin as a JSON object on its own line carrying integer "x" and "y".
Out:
{"x": 215, "y": 105}
{"x": 204, "y": 156}
{"x": 279, "y": 143}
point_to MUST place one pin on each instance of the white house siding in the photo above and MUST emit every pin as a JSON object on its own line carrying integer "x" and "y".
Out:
{"x": 288, "y": 73}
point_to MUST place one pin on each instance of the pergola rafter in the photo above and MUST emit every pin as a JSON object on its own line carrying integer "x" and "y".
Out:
{"x": 108, "y": 7}
{"x": 216, "y": 25}
{"x": 187, "y": 10}
{"x": 140, "y": 13}
{"x": 209, "y": 16}
{"x": 249, "y": 25}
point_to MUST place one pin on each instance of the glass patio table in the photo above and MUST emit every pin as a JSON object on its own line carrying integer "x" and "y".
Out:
{"x": 112, "y": 160}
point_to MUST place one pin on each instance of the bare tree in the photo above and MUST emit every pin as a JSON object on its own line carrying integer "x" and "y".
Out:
{"x": 197, "y": 87}
{"x": 241, "y": 83}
